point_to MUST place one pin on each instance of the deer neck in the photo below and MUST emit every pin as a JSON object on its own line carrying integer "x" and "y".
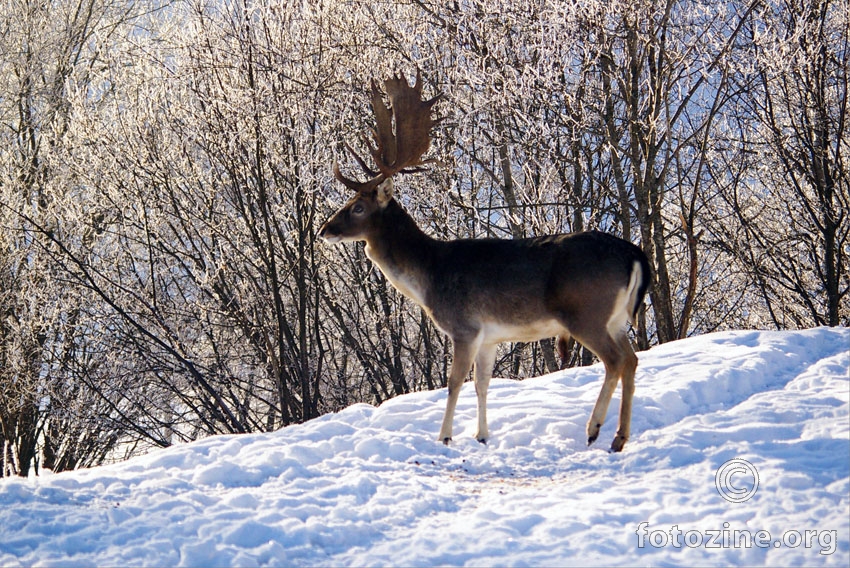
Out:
{"x": 402, "y": 251}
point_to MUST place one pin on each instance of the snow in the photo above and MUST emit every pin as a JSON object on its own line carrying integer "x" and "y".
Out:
{"x": 372, "y": 486}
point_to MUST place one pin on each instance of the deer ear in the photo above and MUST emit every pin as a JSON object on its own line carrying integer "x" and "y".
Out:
{"x": 385, "y": 192}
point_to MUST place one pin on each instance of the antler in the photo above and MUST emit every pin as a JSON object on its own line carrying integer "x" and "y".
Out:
{"x": 396, "y": 149}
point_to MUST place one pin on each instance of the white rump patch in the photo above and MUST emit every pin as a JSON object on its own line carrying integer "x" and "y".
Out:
{"x": 621, "y": 315}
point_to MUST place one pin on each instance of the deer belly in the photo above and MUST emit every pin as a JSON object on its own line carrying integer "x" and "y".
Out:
{"x": 499, "y": 332}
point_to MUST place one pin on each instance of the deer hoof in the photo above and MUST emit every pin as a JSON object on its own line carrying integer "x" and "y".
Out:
{"x": 446, "y": 440}
{"x": 481, "y": 440}
{"x": 618, "y": 443}
{"x": 592, "y": 433}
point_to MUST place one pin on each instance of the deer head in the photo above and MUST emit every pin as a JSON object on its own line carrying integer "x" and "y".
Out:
{"x": 400, "y": 138}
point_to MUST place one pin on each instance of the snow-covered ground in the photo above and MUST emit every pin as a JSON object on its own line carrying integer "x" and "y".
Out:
{"x": 372, "y": 486}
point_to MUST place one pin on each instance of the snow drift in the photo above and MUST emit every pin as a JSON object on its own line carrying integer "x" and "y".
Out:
{"x": 372, "y": 486}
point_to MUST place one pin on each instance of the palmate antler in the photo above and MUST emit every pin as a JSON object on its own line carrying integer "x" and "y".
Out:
{"x": 396, "y": 149}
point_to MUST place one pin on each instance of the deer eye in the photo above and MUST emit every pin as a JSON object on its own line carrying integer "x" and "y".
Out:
{"x": 358, "y": 209}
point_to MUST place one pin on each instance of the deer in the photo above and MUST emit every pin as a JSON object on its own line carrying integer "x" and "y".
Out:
{"x": 486, "y": 291}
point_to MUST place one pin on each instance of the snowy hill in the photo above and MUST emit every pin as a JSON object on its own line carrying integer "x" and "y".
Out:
{"x": 371, "y": 486}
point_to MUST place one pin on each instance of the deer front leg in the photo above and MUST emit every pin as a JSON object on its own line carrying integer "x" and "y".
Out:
{"x": 483, "y": 371}
{"x": 464, "y": 353}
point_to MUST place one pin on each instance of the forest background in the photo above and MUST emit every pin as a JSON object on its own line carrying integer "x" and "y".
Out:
{"x": 165, "y": 166}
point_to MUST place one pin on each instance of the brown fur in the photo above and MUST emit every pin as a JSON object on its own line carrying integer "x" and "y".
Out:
{"x": 483, "y": 292}
{"x": 487, "y": 291}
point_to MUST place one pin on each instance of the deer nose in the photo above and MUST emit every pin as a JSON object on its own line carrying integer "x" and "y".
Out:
{"x": 327, "y": 233}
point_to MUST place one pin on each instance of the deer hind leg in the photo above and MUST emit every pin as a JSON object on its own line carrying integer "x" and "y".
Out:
{"x": 627, "y": 376}
{"x": 484, "y": 362}
{"x": 609, "y": 356}
{"x": 611, "y": 345}
{"x": 619, "y": 365}
{"x": 464, "y": 353}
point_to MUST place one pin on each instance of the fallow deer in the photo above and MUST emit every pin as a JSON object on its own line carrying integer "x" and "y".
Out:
{"x": 483, "y": 292}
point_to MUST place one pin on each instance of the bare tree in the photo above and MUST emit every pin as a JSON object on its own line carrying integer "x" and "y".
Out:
{"x": 788, "y": 185}
{"x": 44, "y": 48}
{"x": 162, "y": 166}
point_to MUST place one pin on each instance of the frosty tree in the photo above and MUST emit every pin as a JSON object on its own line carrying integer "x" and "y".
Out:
{"x": 162, "y": 166}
